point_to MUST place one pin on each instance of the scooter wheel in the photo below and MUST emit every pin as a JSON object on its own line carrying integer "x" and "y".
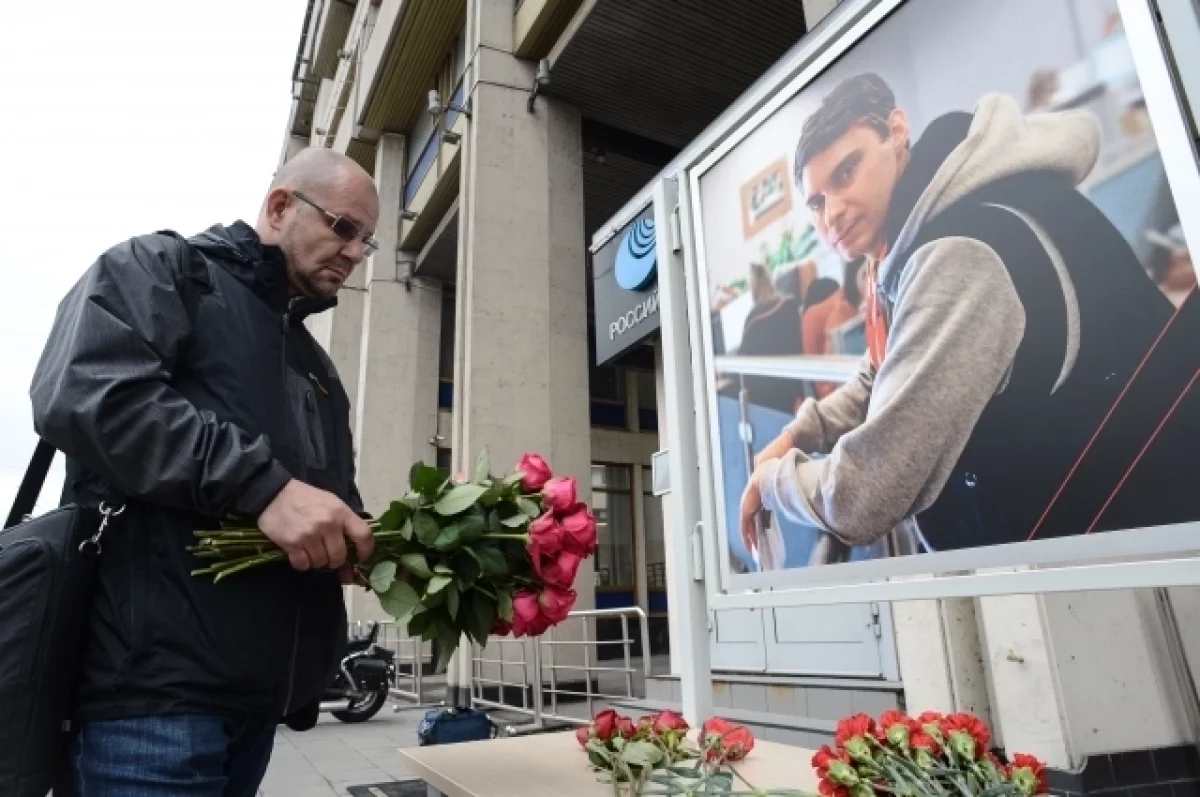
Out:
{"x": 364, "y": 709}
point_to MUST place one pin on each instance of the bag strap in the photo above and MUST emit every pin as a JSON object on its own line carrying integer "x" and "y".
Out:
{"x": 31, "y": 485}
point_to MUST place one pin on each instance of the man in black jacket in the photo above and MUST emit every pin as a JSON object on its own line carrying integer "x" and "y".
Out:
{"x": 180, "y": 381}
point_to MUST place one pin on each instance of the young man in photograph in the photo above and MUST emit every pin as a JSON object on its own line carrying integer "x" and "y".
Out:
{"x": 1024, "y": 377}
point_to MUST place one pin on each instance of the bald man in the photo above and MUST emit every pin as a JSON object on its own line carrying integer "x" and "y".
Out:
{"x": 181, "y": 383}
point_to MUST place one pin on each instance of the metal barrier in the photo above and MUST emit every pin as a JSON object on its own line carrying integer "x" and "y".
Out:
{"x": 410, "y": 651}
{"x": 539, "y": 672}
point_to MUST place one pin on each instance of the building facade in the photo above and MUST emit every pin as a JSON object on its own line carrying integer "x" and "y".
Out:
{"x": 512, "y": 141}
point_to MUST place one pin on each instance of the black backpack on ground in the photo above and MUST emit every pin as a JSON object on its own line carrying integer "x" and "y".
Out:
{"x": 47, "y": 573}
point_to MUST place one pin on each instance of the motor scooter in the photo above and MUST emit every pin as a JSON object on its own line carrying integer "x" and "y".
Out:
{"x": 361, "y": 687}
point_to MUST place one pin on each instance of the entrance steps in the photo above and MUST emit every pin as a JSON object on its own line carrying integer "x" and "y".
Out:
{"x": 801, "y": 711}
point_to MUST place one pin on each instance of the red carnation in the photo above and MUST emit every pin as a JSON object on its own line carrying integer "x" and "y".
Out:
{"x": 923, "y": 741}
{"x": 973, "y": 728}
{"x": 856, "y": 726}
{"x": 1029, "y": 774}
{"x": 823, "y": 758}
{"x": 828, "y": 789}
{"x": 897, "y": 728}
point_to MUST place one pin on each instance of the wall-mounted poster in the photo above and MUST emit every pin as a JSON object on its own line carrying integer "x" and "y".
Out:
{"x": 766, "y": 197}
{"x": 1000, "y": 265}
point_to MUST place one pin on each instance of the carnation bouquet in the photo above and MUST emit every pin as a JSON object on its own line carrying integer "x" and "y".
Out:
{"x": 459, "y": 556}
{"x": 930, "y": 756}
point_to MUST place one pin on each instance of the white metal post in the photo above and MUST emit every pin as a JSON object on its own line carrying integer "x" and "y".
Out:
{"x": 687, "y": 589}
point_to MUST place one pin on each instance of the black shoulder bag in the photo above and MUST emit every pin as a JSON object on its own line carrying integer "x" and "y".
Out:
{"x": 47, "y": 573}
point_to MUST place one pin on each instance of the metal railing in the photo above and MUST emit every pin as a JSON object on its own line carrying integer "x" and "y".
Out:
{"x": 538, "y": 671}
{"x": 412, "y": 654}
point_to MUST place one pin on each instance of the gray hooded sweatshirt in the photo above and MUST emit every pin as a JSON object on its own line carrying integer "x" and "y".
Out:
{"x": 893, "y": 435}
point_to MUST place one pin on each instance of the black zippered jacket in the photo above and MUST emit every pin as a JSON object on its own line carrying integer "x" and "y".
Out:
{"x": 180, "y": 379}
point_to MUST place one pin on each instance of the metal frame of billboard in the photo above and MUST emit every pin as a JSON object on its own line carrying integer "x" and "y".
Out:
{"x": 1054, "y": 565}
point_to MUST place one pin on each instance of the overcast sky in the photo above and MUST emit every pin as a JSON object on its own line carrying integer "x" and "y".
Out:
{"x": 120, "y": 118}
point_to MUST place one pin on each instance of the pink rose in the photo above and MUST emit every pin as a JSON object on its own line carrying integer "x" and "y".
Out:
{"x": 536, "y": 472}
{"x": 626, "y": 728}
{"x": 579, "y": 530}
{"x": 558, "y": 571}
{"x": 556, "y": 604}
{"x": 605, "y": 725}
{"x": 527, "y": 615}
{"x": 559, "y": 494}
{"x": 670, "y": 721}
{"x": 583, "y": 736}
{"x": 545, "y": 536}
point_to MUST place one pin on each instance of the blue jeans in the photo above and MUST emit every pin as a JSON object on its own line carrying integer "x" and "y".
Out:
{"x": 185, "y": 755}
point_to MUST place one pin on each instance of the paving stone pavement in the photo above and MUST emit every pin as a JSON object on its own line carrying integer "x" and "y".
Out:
{"x": 333, "y": 756}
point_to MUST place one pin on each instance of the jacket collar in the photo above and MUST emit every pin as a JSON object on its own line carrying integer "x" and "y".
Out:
{"x": 261, "y": 267}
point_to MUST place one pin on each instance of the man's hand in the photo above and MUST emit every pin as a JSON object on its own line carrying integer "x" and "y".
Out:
{"x": 312, "y": 526}
{"x": 775, "y": 449}
{"x": 751, "y": 506}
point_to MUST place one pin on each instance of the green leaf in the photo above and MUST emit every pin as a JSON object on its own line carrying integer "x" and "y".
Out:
{"x": 407, "y": 531}
{"x": 515, "y": 522}
{"x": 448, "y": 640}
{"x": 473, "y": 524}
{"x": 437, "y": 584}
{"x": 482, "y": 616}
{"x": 494, "y": 524}
{"x": 528, "y": 508}
{"x": 505, "y": 608}
{"x": 445, "y": 571}
{"x": 416, "y": 564}
{"x": 400, "y": 601}
{"x": 452, "y": 601}
{"x": 467, "y": 567}
{"x": 420, "y": 621}
{"x": 513, "y": 479}
{"x": 483, "y": 467}
{"x": 642, "y": 754}
{"x": 426, "y": 527}
{"x": 448, "y": 538}
{"x": 426, "y": 480}
{"x": 493, "y": 561}
{"x": 395, "y": 517}
{"x": 492, "y": 496}
{"x": 460, "y": 498}
{"x": 382, "y": 576}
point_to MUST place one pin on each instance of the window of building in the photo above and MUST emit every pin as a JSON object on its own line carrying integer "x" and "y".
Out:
{"x": 612, "y": 502}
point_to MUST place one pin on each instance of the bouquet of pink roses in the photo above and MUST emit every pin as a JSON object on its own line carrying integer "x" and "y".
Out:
{"x": 456, "y": 556}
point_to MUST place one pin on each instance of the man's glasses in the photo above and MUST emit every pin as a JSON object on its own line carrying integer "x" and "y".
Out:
{"x": 342, "y": 227}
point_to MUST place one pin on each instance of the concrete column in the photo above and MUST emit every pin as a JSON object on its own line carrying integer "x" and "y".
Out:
{"x": 521, "y": 356}
{"x": 396, "y": 407}
{"x": 941, "y": 662}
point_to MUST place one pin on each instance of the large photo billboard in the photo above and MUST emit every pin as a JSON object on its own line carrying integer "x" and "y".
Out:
{"x": 951, "y": 303}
